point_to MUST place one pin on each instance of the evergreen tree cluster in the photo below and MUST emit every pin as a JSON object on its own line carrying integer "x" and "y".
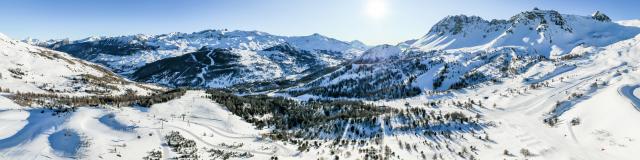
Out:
{"x": 400, "y": 78}
{"x": 370, "y": 81}
{"x": 153, "y": 155}
{"x": 186, "y": 148}
{"x": 339, "y": 120}
{"x": 128, "y": 99}
{"x": 16, "y": 73}
{"x": 224, "y": 155}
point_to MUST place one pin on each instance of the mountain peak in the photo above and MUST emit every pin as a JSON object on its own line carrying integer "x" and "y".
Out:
{"x": 317, "y": 35}
{"x": 455, "y": 24}
{"x": 545, "y": 32}
{"x": 459, "y": 24}
{"x": 358, "y": 44}
{"x": 91, "y": 39}
{"x": 600, "y": 17}
{"x": 537, "y": 14}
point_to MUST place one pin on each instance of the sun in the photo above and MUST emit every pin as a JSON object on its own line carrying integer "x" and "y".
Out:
{"x": 376, "y": 9}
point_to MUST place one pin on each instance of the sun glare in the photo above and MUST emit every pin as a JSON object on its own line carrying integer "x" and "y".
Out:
{"x": 376, "y": 9}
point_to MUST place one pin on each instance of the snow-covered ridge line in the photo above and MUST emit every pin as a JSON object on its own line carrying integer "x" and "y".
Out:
{"x": 544, "y": 32}
{"x": 246, "y": 40}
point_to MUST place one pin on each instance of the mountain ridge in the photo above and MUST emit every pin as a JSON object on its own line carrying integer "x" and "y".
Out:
{"x": 547, "y": 32}
{"x": 141, "y": 49}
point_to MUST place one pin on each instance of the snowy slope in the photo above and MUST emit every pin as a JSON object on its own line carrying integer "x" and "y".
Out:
{"x": 129, "y": 133}
{"x": 27, "y": 68}
{"x": 601, "y": 79}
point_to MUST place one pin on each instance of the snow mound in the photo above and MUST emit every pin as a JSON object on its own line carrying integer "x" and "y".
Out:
{"x": 65, "y": 142}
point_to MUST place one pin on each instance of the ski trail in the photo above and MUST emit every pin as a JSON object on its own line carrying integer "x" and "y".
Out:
{"x": 627, "y": 91}
{"x": 223, "y": 134}
{"x": 204, "y": 68}
{"x": 580, "y": 83}
{"x": 573, "y": 135}
{"x": 384, "y": 134}
{"x": 165, "y": 148}
{"x": 346, "y": 129}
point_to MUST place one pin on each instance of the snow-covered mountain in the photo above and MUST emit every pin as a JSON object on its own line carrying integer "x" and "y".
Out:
{"x": 125, "y": 54}
{"x": 543, "y": 32}
{"x": 26, "y": 68}
{"x": 464, "y": 51}
{"x": 250, "y": 56}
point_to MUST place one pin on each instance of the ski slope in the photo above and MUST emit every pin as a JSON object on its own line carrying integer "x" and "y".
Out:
{"x": 36, "y": 135}
{"x": 603, "y": 133}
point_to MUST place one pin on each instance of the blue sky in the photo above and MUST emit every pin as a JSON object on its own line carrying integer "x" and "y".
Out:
{"x": 342, "y": 19}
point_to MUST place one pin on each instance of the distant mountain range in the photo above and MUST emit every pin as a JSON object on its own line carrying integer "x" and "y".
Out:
{"x": 457, "y": 52}
{"x": 242, "y": 56}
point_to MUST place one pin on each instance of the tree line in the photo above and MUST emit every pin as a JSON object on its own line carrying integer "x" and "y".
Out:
{"x": 340, "y": 120}
{"x": 127, "y": 99}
